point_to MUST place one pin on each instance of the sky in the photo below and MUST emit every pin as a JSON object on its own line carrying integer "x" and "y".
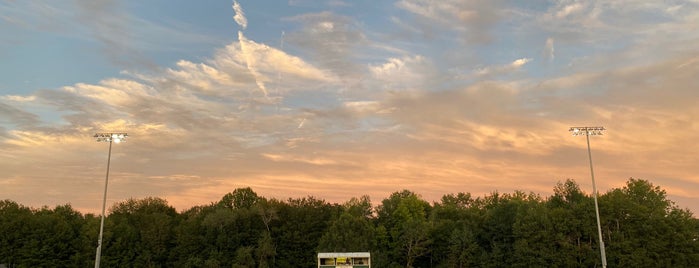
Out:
{"x": 338, "y": 99}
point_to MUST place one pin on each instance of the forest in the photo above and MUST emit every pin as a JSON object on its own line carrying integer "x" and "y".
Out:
{"x": 641, "y": 227}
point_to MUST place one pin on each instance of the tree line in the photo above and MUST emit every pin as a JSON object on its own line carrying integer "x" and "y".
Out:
{"x": 641, "y": 227}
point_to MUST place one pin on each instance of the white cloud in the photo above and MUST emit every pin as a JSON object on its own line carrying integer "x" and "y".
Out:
{"x": 520, "y": 62}
{"x": 393, "y": 65}
{"x": 251, "y": 63}
{"x": 569, "y": 10}
{"x": 672, "y": 10}
{"x": 17, "y": 98}
{"x": 331, "y": 41}
{"x": 363, "y": 108}
{"x": 408, "y": 69}
{"x": 203, "y": 78}
{"x": 190, "y": 123}
{"x": 325, "y": 26}
{"x": 305, "y": 160}
{"x": 503, "y": 69}
{"x": 474, "y": 20}
{"x": 549, "y": 50}
{"x": 408, "y": 72}
{"x": 271, "y": 64}
{"x": 688, "y": 62}
{"x": 239, "y": 16}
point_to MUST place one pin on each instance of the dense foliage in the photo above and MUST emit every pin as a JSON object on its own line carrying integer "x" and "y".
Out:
{"x": 640, "y": 226}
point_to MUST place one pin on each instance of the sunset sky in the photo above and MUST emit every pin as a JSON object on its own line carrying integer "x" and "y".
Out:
{"x": 338, "y": 99}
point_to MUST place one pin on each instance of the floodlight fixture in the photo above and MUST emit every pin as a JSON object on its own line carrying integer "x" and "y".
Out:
{"x": 589, "y": 131}
{"x": 111, "y": 137}
{"x": 593, "y": 131}
{"x": 116, "y": 137}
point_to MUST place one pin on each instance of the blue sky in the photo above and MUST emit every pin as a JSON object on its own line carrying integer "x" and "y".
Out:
{"x": 338, "y": 99}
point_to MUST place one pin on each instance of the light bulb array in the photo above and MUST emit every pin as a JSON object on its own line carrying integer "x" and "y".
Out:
{"x": 589, "y": 131}
{"x": 109, "y": 137}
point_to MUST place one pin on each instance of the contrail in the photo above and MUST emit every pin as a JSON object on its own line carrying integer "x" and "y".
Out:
{"x": 250, "y": 60}
{"x": 279, "y": 74}
{"x": 250, "y": 63}
{"x": 281, "y": 41}
{"x": 239, "y": 16}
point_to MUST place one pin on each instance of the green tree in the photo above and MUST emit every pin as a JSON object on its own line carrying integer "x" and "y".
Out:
{"x": 462, "y": 248}
{"x": 241, "y": 198}
{"x": 534, "y": 233}
{"x": 244, "y": 257}
{"x": 40, "y": 237}
{"x": 359, "y": 207}
{"x": 303, "y": 222}
{"x": 352, "y": 230}
{"x": 642, "y": 227}
{"x": 404, "y": 216}
{"x": 140, "y": 233}
{"x": 189, "y": 238}
{"x": 455, "y": 227}
{"x": 573, "y": 223}
{"x": 66, "y": 242}
{"x": 348, "y": 234}
{"x": 225, "y": 228}
{"x": 265, "y": 251}
{"x": 14, "y": 220}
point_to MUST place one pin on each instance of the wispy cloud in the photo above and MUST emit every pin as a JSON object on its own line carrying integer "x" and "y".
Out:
{"x": 250, "y": 59}
{"x": 14, "y": 116}
{"x": 549, "y": 50}
{"x": 239, "y": 16}
{"x": 503, "y": 69}
{"x": 111, "y": 26}
{"x": 124, "y": 39}
{"x": 16, "y": 98}
{"x": 406, "y": 73}
{"x": 568, "y": 10}
{"x": 331, "y": 41}
{"x": 264, "y": 62}
{"x": 356, "y": 107}
{"x": 473, "y": 19}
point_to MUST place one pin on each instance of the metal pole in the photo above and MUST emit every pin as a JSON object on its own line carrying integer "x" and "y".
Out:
{"x": 104, "y": 204}
{"x": 594, "y": 189}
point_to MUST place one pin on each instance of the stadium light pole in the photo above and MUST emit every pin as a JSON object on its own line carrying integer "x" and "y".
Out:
{"x": 111, "y": 138}
{"x": 593, "y": 131}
